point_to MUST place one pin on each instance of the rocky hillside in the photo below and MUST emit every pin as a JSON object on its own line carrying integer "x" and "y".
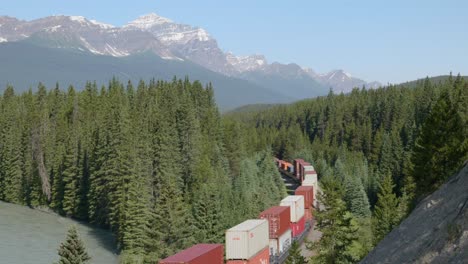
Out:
{"x": 435, "y": 232}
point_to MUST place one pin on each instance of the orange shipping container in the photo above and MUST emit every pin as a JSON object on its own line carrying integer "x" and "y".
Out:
{"x": 263, "y": 257}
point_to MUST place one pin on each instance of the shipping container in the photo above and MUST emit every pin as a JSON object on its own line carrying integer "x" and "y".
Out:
{"x": 303, "y": 164}
{"x": 278, "y": 220}
{"x": 297, "y": 167}
{"x": 263, "y": 257}
{"x": 308, "y": 193}
{"x": 308, "y": 167}
{"x": 281, "y": 244}
{"x": 245, "y": 240}
{"x": 308, "y": 182}
{"x": 308, "y": 215}
{"x": 298, "y": 227}
{"x": 310, "y": 176}
{"x": 296, "y": 204}
{"x": 198, "y": 254}
{"x": 280, "y": 163}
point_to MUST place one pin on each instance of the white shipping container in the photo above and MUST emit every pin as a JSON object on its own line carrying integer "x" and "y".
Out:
{"x": 310, "y": 177}
{"x": 281, "y": 244}
{"x": 309, "y": 168}
{"x": 308, "y": 182}
{"x": 296, "y": 204}
{"x": 247, "y": 239}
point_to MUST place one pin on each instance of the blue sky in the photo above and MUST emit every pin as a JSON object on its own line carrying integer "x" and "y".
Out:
{"x": 388, "y": 41}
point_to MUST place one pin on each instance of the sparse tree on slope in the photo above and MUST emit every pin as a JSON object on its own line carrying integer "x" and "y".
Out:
{"x": 72, "y": 250}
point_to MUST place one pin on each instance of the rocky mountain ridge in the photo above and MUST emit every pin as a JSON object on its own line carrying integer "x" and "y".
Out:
{"x": 165, "y": 38}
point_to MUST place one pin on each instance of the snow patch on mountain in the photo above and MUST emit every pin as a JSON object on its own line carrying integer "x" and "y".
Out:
{"x": 171, "y": 58}
{"x": 115, "y": 52}
{"x": 246, "y": 63}
{"x": 148, "y": 21}
{"x": 53, "y": 29}
{"x": 79, "y": 19}
{"x": 102, "y": 25}
{"x": 185, "y": 36}
{"x": 90, "y": 47}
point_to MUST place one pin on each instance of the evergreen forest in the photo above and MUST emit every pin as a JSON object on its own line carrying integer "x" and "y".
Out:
{"x": 377, "y": 153}
{"x": 156, "y": 162}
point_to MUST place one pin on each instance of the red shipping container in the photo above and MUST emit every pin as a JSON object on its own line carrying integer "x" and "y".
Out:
{"x": 198, "y": 254}
{"x": 308, "y": 215}
{"x": 297, "y": 163}
{"x": 298, "y": 227}
{"x": 308, "y": 193}
{"x": 278, "y": 219}
{"x": 263, "y": 257}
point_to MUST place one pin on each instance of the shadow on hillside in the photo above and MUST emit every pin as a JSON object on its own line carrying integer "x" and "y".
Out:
{"x": 104, "y": 237}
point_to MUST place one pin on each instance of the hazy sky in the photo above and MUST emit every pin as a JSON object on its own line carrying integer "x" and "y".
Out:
{"x": 389, "y": 41}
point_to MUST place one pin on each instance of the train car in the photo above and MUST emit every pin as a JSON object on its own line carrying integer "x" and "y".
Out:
{"x": 268, "y": 239}
{"x": 198, "y": 254}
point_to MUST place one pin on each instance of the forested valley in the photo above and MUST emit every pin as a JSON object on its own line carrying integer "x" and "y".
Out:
{"x": 155, "y": 163}
{"x": 158, "y": 164}
{"x": 377, "y": 153}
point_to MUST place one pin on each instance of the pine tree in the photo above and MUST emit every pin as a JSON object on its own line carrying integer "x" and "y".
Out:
{"x": 208, "y": 214}
{"x": 386, "y": 210}
{"x": 356, "y": 198}
{"x": 339, "y": 241}
{"x": 72, "y": 250}
{"x": 171, "y": 218}
{"x": 295, "y": 256}
{"x": 70, "y": 180}
{"x": 442, "y": 145}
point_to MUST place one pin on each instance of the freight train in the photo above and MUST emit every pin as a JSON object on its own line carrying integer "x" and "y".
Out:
{"x": 268, "y": 238}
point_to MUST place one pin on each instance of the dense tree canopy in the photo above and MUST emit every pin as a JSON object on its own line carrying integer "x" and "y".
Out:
{"x": 399, "y": 141}
{"x": 158, "y": 165}
{"x": 154, "y": 163}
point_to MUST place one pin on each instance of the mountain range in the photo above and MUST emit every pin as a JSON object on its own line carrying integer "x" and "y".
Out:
{"x": 189, "y": 50}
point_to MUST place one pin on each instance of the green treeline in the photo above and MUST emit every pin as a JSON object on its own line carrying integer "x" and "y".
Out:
{"x": 377, "y": 153}
{"x": 154, "y": 162}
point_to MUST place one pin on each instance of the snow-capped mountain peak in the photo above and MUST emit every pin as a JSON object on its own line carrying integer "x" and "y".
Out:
{"x": 79, "y": 19}
{"x": 148, "y": 21}
{"x": 167, "y": 39}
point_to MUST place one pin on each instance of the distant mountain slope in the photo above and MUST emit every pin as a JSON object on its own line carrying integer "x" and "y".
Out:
{"x": 289, "y": 80}
{"x": 30, "y": 236}
{"x": 251, "y": 108}
{"x": 173, "y": 41}
{"x": 28, "y": 64}
{"x": 434, "y": 79}
{"x": 435, "y": 232}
